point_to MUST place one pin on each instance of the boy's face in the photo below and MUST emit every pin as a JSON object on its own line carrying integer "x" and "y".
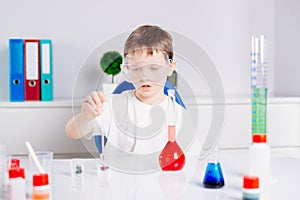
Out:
{"x": 148, "y": 73}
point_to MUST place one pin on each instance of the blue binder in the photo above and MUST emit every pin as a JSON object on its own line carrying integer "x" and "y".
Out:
{"x": 46, "y": 70}
{"x": 16, "y": 67}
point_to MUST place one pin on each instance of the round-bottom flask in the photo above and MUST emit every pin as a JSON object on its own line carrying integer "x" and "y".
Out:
{"x": 171, "y": 157}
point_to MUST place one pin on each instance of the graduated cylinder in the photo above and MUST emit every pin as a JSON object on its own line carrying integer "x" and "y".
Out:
{"x": 259, "y": 151}
{"x": 259, "y": 85}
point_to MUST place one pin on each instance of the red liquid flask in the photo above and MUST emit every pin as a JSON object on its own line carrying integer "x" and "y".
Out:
{"x": 172, "y": 157}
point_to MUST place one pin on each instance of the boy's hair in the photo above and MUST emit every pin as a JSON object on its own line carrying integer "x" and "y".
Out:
{"x": 150, "y": 38}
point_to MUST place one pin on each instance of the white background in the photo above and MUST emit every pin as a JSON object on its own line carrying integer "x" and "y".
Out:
{"x": 222, "y": 28}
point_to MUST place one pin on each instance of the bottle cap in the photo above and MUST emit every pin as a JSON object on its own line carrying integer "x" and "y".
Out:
{"x": 259, "y": 138}
{"x": 14, "y": 163}
{"x": 16, "y": 173}
{"x": 251, "y": 182}
{"x": 40, "y": 179}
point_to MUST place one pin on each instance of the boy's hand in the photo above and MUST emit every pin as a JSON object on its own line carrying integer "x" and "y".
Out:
{"x": 92, "y": 105}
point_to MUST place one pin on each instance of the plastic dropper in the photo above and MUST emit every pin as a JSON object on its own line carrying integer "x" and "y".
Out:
{"x": 34, "y": 158}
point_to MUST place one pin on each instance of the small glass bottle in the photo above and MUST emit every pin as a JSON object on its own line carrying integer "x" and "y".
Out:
{"x": 41, "y": 187}
{"x": 251, "y": 188}
{"x": 77, "y": 172}
{"x": 17, "y": 184}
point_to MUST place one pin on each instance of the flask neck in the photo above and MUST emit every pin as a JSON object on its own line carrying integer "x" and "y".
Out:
{"x": 171, "y": 133}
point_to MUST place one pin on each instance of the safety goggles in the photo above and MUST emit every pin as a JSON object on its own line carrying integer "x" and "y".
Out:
{"x": 155, "y": 70}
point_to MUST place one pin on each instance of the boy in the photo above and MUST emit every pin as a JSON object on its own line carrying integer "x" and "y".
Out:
{"x": 136, "y": 120}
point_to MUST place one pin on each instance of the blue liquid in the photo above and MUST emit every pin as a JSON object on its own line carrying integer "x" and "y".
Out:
{"x": 213, "y": 176}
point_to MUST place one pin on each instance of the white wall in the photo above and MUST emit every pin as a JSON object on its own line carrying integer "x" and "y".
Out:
{"x": 287, "y": 32}
{"x": 222, "y": 28}
{"x": 43, "y": 125}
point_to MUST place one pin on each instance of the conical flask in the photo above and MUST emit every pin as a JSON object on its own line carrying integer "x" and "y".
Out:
{"x": 172, "y": 157}
{"x": 213, "y": 177}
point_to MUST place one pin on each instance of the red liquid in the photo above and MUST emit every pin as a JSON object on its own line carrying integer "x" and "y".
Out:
{"x": 171, "y": 157}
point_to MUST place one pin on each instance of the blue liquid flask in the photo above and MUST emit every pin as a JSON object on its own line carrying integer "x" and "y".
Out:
{"x": 213, "y": 175}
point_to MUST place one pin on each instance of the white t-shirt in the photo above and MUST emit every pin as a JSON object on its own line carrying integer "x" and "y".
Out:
{"x": 133, "y": 126}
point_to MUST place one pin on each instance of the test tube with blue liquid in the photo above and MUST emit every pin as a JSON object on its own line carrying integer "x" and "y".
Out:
{"x": 213, "y": 177}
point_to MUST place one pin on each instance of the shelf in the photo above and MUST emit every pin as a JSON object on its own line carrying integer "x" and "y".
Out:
{"x": 59, "y": 103}
{"x": 201, "y": 101}
{"x": 238, "y": 100}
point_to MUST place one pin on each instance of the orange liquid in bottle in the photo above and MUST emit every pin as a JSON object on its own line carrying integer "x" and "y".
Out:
{"x": 40, "y": 196}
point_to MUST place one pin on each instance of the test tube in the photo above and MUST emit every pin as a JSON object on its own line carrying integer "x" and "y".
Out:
{"x": 103, "y": 166}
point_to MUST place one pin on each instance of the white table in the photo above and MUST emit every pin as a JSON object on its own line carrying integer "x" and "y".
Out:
{"x": 185, "y": 184}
